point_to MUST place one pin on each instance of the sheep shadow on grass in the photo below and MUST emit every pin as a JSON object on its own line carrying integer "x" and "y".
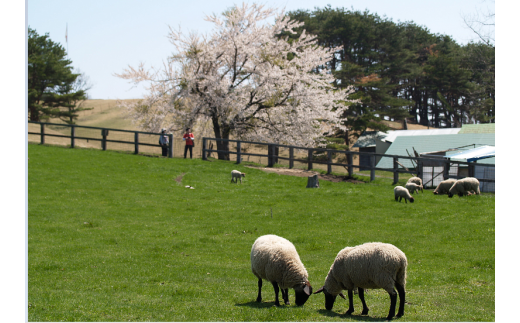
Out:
{"x": 255, "y": 304}
{"x": 352, "y": 316}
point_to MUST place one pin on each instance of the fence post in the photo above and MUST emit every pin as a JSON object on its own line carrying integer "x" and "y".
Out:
{"x": 309, "y": 157}
{"x": 170, "y": 145}
{"x": 42, "y": 133}
{"x": 104, "y": 141}
{"x": 239, "y": 156}
{"x": 420, "y": 169}
{"x": 136, "y": 142}
{"x": 396, "y": 171}
{"x": 446, "y": 172}
{"x": 204, "y": 149}
{"x": 291, "y": 157}
{"x": 72, "y": 133}
{"x": 471, "y": 169}
{"x": 372, "y": 168}
{"x": 350, "y": 164}
{"x": 329, "y": 160}
{"x": 269, "y": 155}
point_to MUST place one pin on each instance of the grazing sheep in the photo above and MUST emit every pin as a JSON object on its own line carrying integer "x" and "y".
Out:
{"x": 370, "y": 265}
{"x": 236, "y": 175}
{"x": 401, "y": 192}
{"x": 464, "y": 186}
{"x": 413, "y": 188}
{"x": 444, "y": 186}
{"x": 275, "y": 259}
{"x": 415, "y": 179}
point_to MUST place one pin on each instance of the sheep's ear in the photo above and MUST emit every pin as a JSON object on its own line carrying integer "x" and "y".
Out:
{"x": 307, "y": 290}
{"x": 343, "y": 296}
{"x": 318, "y": 291}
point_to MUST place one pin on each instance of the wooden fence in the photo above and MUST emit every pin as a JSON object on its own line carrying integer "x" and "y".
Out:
{"x": 102, "y": 135}
{"x": 421, "y": 162}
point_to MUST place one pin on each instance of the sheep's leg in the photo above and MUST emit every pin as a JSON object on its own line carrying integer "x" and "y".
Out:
{"x": 393, "y": 301}
{"x": 350, "y": 302}
{"x": 259, "y": 298}
{"x": 276, "y": 289}
{"x": 285, "y": 295}
{"x": 402, "y": 298}
{"x": 361, "y": 293}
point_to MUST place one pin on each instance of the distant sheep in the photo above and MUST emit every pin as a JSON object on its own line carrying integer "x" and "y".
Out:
{"x": 371, "y": 265}
{"x": 275, "y": 259}
{"x": 236, "y": 175}
{"x": 465, "y": 186}
{"x": 413, "y": 188}
{"x": 415, "y": 179}
{"x": 401, "y": 192}
{"x": 444, "y": 186}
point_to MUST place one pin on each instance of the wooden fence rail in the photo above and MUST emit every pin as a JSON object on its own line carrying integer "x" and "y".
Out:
{"x": 104, "y": 136}
{"x": 272, "y": 159}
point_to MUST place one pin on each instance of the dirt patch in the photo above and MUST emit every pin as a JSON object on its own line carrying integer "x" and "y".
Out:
{"x": 307, "y": 173}
{"x": 178, "y": 179}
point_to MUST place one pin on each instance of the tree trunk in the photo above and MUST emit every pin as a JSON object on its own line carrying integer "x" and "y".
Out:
{"x": 221, "y": 132}
{"x": 313, "y": 182}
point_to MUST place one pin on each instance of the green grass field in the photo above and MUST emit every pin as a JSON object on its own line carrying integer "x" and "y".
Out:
{"x": 118, "y": 237}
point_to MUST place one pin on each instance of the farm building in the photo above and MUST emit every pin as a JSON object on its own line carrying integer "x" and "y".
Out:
{"x": 440, "y": 147}
{"x": 378, "y": 142}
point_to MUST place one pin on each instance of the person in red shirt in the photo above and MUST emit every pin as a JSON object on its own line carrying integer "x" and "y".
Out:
{"x": 189, "y": 138}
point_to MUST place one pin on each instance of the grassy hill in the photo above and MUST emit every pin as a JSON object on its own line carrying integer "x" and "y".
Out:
{"x": 118, "y": 237}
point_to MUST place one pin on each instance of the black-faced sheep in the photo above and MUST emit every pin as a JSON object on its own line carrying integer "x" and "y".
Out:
{"x": 413, "y": 188}
{"x": 464, "y": 187}
{"x": 275, "y": 259}
{"x": 415, "y": 179}
{"x": 401, "y": 192}
{"x": 371, "y": 265}
{"x": 444, "y": 186}
{"x": 236, "y": 175}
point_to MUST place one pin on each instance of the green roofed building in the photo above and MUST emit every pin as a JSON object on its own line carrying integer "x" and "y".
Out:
{"x": 436, "y": 144}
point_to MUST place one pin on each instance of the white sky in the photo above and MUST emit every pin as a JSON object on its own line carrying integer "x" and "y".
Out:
{"x": 106, "y": 36}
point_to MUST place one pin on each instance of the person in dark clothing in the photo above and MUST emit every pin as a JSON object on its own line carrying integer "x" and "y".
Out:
{"x": 163, "y": 141}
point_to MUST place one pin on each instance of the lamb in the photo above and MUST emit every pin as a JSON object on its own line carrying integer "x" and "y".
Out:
{"x": 401, "y": 192}
{"x": 236, "y": 175}
{"x": 415, "y": 179}
{"x": 413, "y": 188}
{"x": 370, "y": 265}
{"x": 464, "y": 186}
{"x": 275, "y": 259}
{"x": 444, "y": 186}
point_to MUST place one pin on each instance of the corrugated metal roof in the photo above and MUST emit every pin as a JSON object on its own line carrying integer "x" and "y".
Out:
{"x": 473, "y": 154}
{"x": 392, "y": 134}
{"x": 478, "y": 128}
{"x": 368, "y": 139}
{"x": 434, "y": 143}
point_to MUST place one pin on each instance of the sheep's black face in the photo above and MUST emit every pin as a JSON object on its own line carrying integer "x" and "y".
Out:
{"x": 329, "y": 300}
{"x": 302, "y": 293}
{"x": 411, "y": 200}
{"x": 436, "y": 193}
{"x": 450, "y": 195}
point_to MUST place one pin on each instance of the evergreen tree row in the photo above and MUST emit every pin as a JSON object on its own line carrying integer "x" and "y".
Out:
{"x": 402, "y": 71}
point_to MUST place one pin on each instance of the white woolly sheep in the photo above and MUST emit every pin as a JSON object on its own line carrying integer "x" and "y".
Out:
{"x": 401, "y": 192}
{"x": 413, "y": 188}
{"x": 444, "y": 186}
{"x": 415, "y": 179}
{"x": 236, "y": 175}
{"x": 370, "y": 265}
{"x": 275, "y": 259}
{"x": 464, "y": 186}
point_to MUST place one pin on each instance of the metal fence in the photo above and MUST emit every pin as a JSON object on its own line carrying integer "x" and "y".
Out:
{"x": 138, "y": 142}
{"x": 431, "y": 170}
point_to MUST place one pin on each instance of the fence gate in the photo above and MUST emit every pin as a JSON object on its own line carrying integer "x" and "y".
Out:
{"x": 432, "y": 176}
